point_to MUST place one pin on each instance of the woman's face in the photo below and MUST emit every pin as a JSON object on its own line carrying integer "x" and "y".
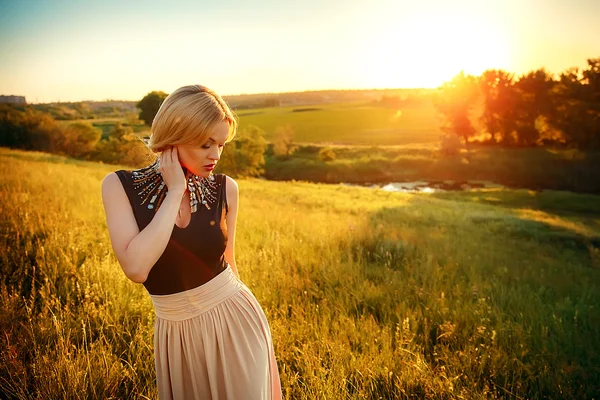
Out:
{"x": 202, "y": 160}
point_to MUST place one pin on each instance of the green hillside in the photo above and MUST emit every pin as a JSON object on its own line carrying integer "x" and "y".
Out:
{"x": 349, "y": 123}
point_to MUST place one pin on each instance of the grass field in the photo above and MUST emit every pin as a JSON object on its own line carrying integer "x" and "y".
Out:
{"x": 349, "y": 123}
{"x": 346, "y": 123}
{"x": 370, "y": 294}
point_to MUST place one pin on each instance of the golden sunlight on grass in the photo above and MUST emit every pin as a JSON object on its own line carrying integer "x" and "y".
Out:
{"x": 369, "y": 294}
{"x": 556, "y": 221}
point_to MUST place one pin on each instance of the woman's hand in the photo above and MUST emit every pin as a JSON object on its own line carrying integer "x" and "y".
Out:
{"x": 138, "y": 251}
{"x": 171, "y": 171}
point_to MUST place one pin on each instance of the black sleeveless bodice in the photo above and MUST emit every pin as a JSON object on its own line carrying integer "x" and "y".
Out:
{"x": 194, "y": 254}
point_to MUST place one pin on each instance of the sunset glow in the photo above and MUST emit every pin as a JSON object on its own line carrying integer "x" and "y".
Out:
{"x": 429, "y": 51}
{"x": 66, "y": 51}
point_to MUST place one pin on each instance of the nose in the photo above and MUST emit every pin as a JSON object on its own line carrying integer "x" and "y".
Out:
{"x": 215, "y": 154}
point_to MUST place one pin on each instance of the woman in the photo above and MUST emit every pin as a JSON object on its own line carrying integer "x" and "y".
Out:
{"x": 172, "y": 228}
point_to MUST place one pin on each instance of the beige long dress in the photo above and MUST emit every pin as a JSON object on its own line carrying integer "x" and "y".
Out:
{"x": 214, "y": 342}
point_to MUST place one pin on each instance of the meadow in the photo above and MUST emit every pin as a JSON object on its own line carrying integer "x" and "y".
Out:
{"x": 349, "y": 123}
{"x": 352, "y": 123}
{"x": 369, "y": 294}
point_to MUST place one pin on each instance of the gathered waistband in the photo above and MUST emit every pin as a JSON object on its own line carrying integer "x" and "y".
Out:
{"x": 193, "y": 302}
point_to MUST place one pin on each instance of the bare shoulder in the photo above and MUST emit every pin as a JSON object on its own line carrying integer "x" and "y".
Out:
{"x": 231, "y": 184}
{"x": 110, "y": 182}
{"x": 112, "y": 189}
{"x": 232, "y": 192}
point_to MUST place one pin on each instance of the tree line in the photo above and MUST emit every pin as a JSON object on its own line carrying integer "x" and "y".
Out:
{"x": 24, "y": 127}
{"x": 29, "y": 129}
{"x": 534, "y": 109}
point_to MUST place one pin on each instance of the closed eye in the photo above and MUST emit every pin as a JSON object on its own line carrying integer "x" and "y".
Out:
{"x": 207, "y": 146}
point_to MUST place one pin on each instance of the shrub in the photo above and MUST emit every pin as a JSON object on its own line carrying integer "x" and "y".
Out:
{"x": 27, "y": 129}
{"x": 245, "y": 156}
{"x": 77, "y": 139}
{"x": 326, "y": 154}
{"x": 450, "y": 144}
{"x": 283, "y": 144}
{"x": 122, "y": 147}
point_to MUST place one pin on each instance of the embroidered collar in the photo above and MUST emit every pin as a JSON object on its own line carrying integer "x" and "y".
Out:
{"x": 152, "y": 187}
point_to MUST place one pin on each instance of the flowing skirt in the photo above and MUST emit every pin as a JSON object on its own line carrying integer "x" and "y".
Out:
{"x": 214, "y": 342}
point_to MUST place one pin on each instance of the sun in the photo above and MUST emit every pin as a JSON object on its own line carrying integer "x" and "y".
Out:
{"x": 428, "y": 52}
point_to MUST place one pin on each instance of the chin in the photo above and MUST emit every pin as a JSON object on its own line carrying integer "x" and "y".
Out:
{"x": 201, "y": 172}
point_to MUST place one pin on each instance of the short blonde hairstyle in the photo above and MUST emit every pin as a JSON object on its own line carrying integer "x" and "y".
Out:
{"x": 188, "y": 117}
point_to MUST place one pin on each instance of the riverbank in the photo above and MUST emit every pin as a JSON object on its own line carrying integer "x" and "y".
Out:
{"x": 530, "y": 168}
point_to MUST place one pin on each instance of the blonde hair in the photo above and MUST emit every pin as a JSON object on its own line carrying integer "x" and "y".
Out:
{"x": 188, "y": 116}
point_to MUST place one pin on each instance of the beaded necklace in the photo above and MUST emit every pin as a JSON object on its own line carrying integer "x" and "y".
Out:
{"x": 153, "y": 187}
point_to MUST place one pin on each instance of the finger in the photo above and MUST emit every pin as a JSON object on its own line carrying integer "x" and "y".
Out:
{"x": 165, "y": 159}
{"x": 175, "y": 155}
{"x": 171, "y": 150}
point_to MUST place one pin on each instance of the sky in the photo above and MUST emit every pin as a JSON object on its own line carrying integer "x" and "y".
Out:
{"x": 121, "y": 50}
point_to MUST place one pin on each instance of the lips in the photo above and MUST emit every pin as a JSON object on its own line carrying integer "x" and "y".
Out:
{"x": 209, "y": 167}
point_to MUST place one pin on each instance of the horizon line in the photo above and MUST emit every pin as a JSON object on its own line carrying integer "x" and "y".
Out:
{"x": 232, "y": 95}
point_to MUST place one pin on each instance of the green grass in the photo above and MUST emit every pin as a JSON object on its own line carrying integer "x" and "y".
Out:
{"x": 370, "y": 294}
{"x": 344, "y": 123}
{"x": 349, "y": 123}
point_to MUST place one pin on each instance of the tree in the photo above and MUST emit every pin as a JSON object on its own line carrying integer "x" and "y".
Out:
{"x": 78, "y": 139}
{"x": 456, "y": 100}
{"x": 27, "y": 129}
{"x": 149, "y": 106}
{"x": 591, "y": 93}
{"x": 245, "y": 156}
{"x": 532, "y": 101}
{"x": 283, "y": 144}
{"x": 576, "y": 106}
{"x": 497, "y": 89}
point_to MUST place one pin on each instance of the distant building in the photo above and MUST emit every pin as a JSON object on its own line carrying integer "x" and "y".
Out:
{"x": 13, "y": 99}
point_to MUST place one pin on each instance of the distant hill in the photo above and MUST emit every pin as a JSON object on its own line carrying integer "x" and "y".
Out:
{"x": 245, "y": 101}
{"x": 123, "y": 109}
{"x": 88, "y": 109}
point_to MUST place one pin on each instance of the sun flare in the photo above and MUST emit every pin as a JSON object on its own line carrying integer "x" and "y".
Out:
{"x": 425, "y": 54}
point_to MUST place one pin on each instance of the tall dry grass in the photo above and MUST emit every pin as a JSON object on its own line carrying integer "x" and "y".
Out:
{"x": 370, "y": 294}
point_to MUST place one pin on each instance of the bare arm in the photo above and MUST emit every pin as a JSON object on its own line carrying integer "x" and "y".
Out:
{"x": 138, "y": 251}
{"x": 231, "y": 220}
